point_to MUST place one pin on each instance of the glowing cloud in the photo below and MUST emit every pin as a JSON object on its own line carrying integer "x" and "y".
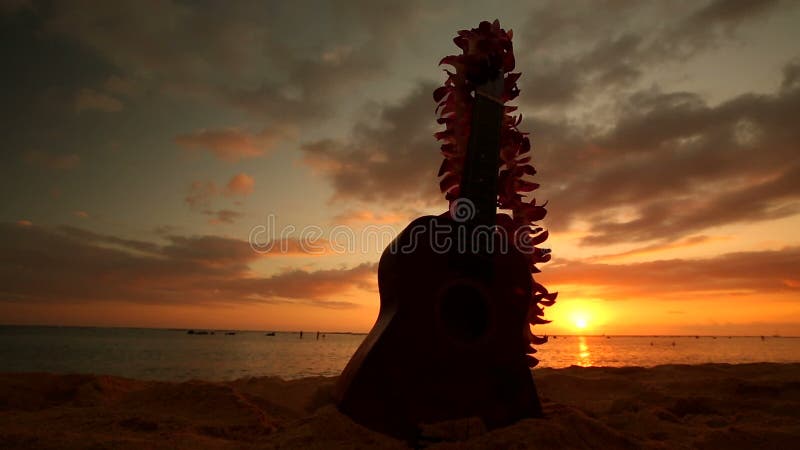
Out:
{"x": 241, "y": 184}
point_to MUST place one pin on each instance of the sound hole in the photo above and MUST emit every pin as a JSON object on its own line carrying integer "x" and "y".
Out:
{"x": 464, "y": 312}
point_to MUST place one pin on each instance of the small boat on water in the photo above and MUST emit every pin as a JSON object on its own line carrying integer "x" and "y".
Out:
{"x": 271, "y": 333}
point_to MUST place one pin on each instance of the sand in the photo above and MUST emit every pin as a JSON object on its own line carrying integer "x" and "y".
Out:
{"x": 713, "y": 406}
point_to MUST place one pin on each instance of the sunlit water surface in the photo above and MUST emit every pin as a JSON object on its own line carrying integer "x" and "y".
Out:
{"x": 176, "y": 355}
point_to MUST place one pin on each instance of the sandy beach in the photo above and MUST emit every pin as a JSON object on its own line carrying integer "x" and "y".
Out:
{"x": 672, "y": 406}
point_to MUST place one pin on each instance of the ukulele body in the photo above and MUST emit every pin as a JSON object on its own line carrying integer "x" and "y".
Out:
{"x": 449, "y": 341}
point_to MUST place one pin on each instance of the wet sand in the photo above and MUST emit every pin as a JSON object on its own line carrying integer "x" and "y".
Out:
{"x": 710, "y": 406}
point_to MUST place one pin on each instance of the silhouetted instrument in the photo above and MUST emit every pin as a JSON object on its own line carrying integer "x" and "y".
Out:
{"x": 452, "y": 337}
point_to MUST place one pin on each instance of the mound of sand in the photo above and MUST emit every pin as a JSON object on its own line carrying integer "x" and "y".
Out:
{"x": 675, "y": 406}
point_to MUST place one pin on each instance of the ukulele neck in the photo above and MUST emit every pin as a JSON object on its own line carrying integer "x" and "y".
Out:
{"x": 479, "y": 179}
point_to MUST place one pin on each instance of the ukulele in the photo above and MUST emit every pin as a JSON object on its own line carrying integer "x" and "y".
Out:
{"x": 452, "y": 338}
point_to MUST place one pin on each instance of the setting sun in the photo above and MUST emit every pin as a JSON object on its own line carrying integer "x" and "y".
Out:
{"x": 580, "y": 320}
{"x": 580, "y": 315}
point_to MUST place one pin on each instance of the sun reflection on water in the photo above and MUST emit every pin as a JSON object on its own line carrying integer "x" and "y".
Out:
{"x": 584, "y": 356}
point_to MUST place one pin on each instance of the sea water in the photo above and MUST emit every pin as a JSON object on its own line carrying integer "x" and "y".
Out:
{"x": 176, "y": 355}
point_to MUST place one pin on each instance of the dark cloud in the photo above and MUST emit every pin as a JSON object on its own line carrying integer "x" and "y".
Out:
{"x": 570, "y": 52}
{"x": 202, "y": 193}
{"x": 727, "y": 13}
{"x": 89, "y": 100}
{"x": 40, "y": 90}
{"x": 282, "y": 64}
{"x": 277, "y": 64}
{"x": 390, "y": 155}
{"x": 670, "y": 162}
{"x": 767, "y": 272}
{"x": 608, "y": 63}
{"x": 679, "y": 166}
{"x": 223, "y": 216}
{"x": 300, "y": 284}
{"x": 674, "y": 163}
{"x": 210, "y": 250}
{"x": 74, "y": 265}
{"x": 97, "y": 239}
{"x": 791, "y": 75}
{"x": 54, "y": 161}
{"x": 669, "y": 166}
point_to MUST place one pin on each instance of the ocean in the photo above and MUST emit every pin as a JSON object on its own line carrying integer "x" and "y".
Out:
{"x": 175, "y": 355}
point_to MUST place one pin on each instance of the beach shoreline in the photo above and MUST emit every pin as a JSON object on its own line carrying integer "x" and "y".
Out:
{"x": 728, "y": 406}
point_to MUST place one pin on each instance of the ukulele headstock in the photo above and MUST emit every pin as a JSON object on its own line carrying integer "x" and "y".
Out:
{"x": 493, "y": 89}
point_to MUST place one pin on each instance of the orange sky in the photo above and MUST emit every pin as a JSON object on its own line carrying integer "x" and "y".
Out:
{"x": 140, "y": 158}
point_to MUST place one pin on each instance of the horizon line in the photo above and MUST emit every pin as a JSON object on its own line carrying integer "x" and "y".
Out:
{"x": 266, "y": 330}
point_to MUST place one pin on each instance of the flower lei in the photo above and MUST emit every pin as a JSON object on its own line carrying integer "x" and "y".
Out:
{"x": 487, "y": 50}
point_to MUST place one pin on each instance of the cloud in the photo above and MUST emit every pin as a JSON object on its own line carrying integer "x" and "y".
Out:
{"x": 52, "y": 161}
{"x": 116, "y": 84}
{"x": 791, "y": 75}
{"x": 643, "y": 149}
{"x": 201, "y": 193}
{"x": 241, "y": 184}
{"x": 573, "y": 52}
{"x": 654, "y": 248}
{"x": 365, "y": 216}
{"x": 209, "y": 250}
{"x": 231, "y": 144}
{"x": 391, "y": 155}
{"x": 678, "y": 166}
{"x": 97, "y": 239}
{"x": 270, "y": 68}
{"x": 758, "y": 272}
{"x": 106, "y": 97}
{"x": 302, "y": 284}
{"x": 223, "y": 216}
{"x": 91, "y": 100}
{"x": 650, "y": 166}
{"x": 68, "y": 264}
{"x": 13, "y": 6}
{"x": 726, "y": 14}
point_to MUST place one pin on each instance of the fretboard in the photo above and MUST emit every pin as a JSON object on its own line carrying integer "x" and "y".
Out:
{"x": 479, "y": 179}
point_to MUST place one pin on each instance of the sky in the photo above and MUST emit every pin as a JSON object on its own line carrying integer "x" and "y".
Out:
{"x": 151, "y": 150}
